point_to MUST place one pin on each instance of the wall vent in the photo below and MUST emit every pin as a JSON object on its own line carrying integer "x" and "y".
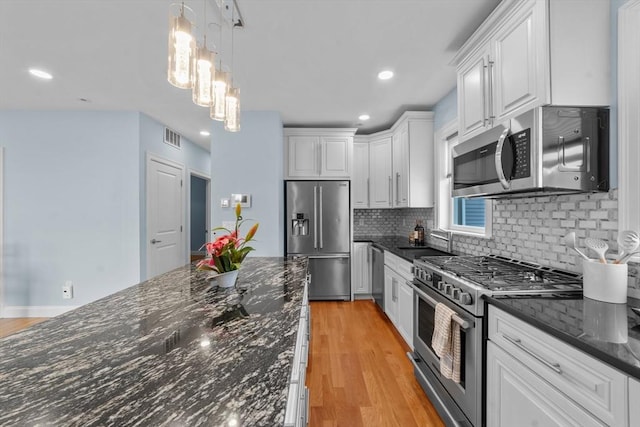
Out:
{"x": 172, "y": 138}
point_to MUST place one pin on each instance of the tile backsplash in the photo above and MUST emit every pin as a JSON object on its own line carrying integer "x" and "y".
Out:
{"x": 528, "y": 229}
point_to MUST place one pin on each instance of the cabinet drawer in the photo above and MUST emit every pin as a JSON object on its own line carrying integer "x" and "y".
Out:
{"x": 399, "y": 265}
{"x": 301, "y": 352}
{"x": 594, "y": 385}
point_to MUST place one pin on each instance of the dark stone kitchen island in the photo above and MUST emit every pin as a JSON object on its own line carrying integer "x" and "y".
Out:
{"x": 169, "y": 351}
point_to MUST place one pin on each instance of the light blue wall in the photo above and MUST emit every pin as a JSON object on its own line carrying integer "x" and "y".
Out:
{"x": 71, "y": 205}
{"x": 445, "y": 110}
{"x": 191, "y": 156}
{"x": 251, "y": 161}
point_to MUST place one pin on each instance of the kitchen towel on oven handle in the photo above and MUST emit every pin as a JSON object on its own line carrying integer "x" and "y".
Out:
{"x": 446, "y": 342}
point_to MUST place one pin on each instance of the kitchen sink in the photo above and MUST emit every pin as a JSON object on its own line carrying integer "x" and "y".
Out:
{"x": 417, "y": 251}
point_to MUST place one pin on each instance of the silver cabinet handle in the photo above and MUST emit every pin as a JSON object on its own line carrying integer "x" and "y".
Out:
{"x": 490, "y": 92}
{"x": 154, "y": 241}
{"x": 397, "y": 188}
{"x": 390, "y": 191}
{"x": 518, "y": 343}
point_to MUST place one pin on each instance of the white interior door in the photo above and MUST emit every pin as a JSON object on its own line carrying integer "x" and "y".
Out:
{"x": 164, "y": 217}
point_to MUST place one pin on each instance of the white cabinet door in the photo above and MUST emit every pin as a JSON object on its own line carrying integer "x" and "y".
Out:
{"x": 390, "y": 294}
{"x": 361, "y": 268}
{"x": 400, "y": 144}
{"x": 405, "y": 312}
{"x": 517, "y": 396}
{"x": 303, "y": 152}
{"x": 516, "y": 51}
{"x": 473, "y": 94}
{"x": 335, "y": 157}
{"x": 360, "y": 176}
{"x": 634, "y": 402}
{"x": 380, "y": 179}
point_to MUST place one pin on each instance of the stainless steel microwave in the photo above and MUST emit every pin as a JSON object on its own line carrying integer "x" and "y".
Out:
{"x": 550, "y": 150}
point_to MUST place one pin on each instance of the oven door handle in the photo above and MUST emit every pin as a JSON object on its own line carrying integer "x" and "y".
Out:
{"x": 464, "y": 324}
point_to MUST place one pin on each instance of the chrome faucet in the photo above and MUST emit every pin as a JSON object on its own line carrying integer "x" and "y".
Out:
{"x": 447, "y": 236}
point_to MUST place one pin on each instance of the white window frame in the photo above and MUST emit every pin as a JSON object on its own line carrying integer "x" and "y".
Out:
{"x": 446, "y": 138}
{"x": 629, "y": 116}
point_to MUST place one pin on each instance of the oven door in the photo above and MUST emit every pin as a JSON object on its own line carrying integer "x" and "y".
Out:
{"x": 467, "y": 395}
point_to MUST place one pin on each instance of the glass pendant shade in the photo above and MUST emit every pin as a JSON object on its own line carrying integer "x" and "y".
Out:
{"x": 203, "y": 77}
{"x": 181, "y": 52}
{"x": 232, "y": 106}
{"x": 220, "y": 86}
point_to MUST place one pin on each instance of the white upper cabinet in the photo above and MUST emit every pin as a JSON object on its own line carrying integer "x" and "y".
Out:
{"x": 529, "y": 53}
{"x": 360, "y": 176}
{"x": 412, "y": 184}
{"x": 318, "y": 153}
{"x": 380, "y": 179}
{"x": 398, "y": 170}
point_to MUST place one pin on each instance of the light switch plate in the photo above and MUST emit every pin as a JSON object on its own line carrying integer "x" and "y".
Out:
{"x": 224, "y": 203}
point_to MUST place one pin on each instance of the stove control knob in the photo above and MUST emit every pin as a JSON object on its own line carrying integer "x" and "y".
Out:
{"x": 465, "y": 298}
{"x": 447, "y": 288}
{"x": 427, "y": 276}
{"x": 440, "y": 285}
{"x": 455, "y": 293}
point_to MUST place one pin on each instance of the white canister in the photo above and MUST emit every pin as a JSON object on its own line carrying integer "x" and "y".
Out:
{"x": 605, "y": 282}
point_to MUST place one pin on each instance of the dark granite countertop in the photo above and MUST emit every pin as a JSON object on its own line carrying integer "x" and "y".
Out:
{"x": 609, "y": 332}
{"x": 400, "y": 246}
{"x": 169, "y": 351}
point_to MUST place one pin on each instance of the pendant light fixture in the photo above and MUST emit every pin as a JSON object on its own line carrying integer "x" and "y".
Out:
{"x": 181, "y": 51}
{"x": 232, "y": 113}
{"x": 232, "y": 104}
{"x": 220, "y": 86}
{"x": 204, "y": 70}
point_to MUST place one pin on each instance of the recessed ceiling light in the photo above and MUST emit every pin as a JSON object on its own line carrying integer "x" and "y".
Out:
{"x": 385, "y": 75}
{"x": 363, "y": 117}
{"x": 204, "y": 133}
{"x": 40, "y": 74}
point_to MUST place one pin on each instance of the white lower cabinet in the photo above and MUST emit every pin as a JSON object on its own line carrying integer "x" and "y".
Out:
{"x": 398, "y": 295}
{"x": 535, "y": 379}
{"x": 361, "y": 268}
{"x": 390, "y": 294}
{"x": 516, "y": 396}
{"x": 297, "y": 411}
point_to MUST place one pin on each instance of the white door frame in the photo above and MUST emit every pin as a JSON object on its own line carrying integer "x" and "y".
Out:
{"x": 155, "y": 158}
{"x": 2, "y": 302}
{"x": 206, "y": 177}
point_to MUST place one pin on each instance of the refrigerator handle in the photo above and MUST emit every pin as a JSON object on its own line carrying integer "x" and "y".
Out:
{"x": 315, "y": 217}
{"x": 320, "y": 219}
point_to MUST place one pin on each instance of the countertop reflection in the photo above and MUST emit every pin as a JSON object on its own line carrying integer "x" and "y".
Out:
{"x": 169, "y": 351}
{"x": 609, "y": 332}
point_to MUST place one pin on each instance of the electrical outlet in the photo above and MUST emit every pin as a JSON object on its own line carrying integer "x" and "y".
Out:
{"x": 361, "y": 221}
{"x": 67, "y": 290}
{"x": 404, "y": 221}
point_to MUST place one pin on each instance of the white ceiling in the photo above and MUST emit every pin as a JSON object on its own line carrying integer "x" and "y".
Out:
{"x": 314, "y": 61}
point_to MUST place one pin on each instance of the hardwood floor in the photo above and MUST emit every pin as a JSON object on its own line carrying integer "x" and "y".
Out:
{"x": 359, "y": 374}
{"x": 12, "y": 325}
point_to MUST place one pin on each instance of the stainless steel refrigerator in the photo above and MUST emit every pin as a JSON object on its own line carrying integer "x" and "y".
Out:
{"x": 318, "y": 226}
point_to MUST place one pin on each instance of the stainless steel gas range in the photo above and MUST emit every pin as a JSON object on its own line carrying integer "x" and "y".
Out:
{"x": 459, "y": 282}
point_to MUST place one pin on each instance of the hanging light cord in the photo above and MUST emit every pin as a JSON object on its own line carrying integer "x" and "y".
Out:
{"x": 233, "y": 25}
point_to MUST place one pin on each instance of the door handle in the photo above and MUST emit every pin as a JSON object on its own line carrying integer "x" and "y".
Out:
{"x": 315, "y": 217}
{"x": 390, "y": 191}
{"x": 397, "y": 188}
{"x": 320, "y": 221}
{"x": 154, "y": 241}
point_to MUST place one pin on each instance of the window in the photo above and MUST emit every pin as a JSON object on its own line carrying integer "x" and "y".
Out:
{"x": 457, "y": 214}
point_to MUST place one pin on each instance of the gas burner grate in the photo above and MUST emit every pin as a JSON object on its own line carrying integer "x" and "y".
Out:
{"x": 503, "y": 275}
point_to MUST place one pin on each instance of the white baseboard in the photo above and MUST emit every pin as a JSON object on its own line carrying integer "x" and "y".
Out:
{"x": 36, "y": 311}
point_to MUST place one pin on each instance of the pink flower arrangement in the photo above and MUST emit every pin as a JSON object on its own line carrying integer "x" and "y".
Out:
{"x": 227, "y": 252}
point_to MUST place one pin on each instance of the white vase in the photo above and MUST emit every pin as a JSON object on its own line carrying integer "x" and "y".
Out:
{"x": 224, "y": 280}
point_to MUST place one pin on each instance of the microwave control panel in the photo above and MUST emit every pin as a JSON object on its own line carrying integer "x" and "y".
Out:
{"x": 521, "y": 143}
